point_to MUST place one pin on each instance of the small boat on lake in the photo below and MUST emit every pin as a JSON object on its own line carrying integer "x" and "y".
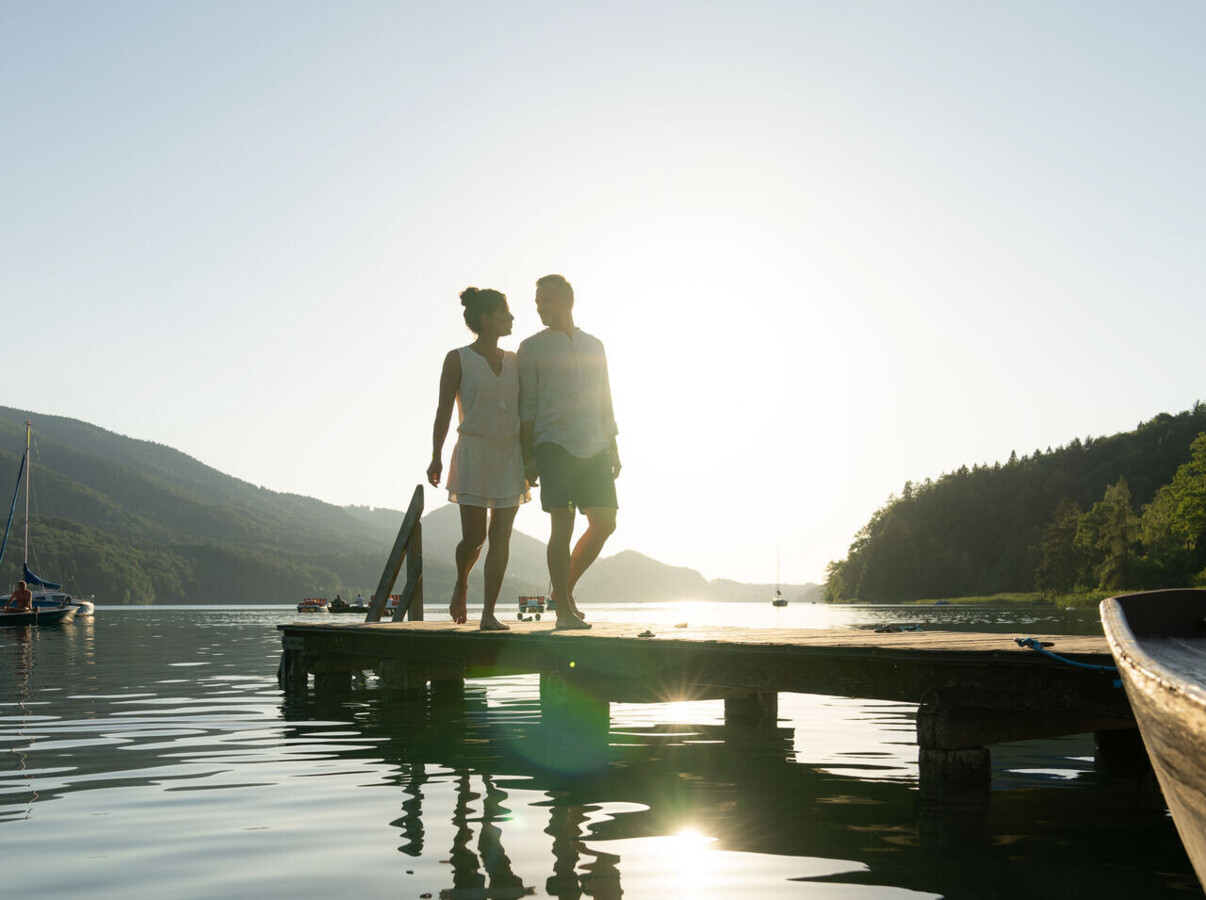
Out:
{"x": 313, "y": 605}
{"x": 339, "y": 605}
{"x": 778, "y": 599}
{"x": 1158, "y": 639}
{"x": 51, "y": 597}
{"x": 57, "y": 599}
{"x": 534, "y": 605}
{"x": 42, "y": 617}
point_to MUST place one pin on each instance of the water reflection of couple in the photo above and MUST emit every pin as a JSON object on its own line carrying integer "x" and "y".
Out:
{"x": 544, "y": 413}
{"x": 489, "y": 872}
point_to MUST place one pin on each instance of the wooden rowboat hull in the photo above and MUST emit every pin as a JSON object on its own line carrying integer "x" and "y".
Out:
{"x": 1158, "y": 639}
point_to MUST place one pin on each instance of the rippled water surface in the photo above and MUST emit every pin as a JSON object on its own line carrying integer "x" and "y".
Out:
{"x": 149, "y": 753}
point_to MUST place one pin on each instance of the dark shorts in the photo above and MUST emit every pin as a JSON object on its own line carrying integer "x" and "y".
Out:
{"x": 568, "y": 481}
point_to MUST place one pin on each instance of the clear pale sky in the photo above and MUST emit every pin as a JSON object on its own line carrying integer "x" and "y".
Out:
{"x": 830, "y": 246}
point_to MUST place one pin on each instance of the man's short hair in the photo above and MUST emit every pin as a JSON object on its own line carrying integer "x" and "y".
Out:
{"x": 558, "y": 284}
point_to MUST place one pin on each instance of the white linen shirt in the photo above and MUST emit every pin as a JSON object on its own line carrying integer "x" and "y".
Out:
{"x": 564, "y": 390}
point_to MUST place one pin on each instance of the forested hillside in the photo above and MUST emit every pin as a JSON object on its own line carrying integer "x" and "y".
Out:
{"x": 137, "y": 522}
{"x": 1120, "y": 512}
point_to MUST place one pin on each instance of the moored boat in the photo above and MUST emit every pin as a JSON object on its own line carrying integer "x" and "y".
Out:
{"x": 313, "y": 605}
{"x": 533, "y": 605}
{"x": 1158, "y": 639}
{"x": 778, "y": 599}
{"x": 55, "y": 600}
{"x": 50, "y": 597}
{"x": 339, "y": 605}
{"x": 62, "y": 616}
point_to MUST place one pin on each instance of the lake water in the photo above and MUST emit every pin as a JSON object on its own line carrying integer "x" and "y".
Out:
{"x": 148, "y": 753}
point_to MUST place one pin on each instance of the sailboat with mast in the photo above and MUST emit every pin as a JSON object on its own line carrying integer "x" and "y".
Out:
{"x": 48, "y": 596}
{"x": 778, "y": 599}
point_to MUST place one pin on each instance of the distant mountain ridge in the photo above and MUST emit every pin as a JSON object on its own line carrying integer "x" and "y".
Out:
{"x": 133, "y": 521}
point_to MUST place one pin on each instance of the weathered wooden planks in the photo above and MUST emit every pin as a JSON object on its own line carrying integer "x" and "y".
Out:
{"x": 948, "y": 669}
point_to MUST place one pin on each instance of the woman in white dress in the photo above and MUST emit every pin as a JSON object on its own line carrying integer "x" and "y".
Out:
{"x": 485, "y": 475}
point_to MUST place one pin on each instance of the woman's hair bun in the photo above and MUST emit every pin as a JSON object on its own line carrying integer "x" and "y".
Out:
{"x": 479, "y": 303}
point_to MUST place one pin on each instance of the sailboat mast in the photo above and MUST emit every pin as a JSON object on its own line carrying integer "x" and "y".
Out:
{"x": 28, "y": 461}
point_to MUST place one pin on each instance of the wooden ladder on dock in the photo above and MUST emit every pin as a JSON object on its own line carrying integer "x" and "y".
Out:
{"x": 408, "y": 547}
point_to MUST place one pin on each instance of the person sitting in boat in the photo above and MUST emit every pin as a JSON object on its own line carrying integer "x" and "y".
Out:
{"x": 22, "y": 597}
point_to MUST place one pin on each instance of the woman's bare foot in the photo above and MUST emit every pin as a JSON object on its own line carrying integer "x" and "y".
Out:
{"x": 458, "y": 608}
{"x": 491, "y": 623}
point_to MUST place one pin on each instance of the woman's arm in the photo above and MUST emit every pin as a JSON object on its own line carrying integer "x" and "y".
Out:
{"x": 450, "y": 383}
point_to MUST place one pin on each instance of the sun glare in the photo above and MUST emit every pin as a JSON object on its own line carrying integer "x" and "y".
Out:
{"x": 690, "y": 849}
{"x": 689, "y": 862}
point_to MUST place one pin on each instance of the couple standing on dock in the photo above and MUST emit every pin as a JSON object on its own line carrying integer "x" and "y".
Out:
{"x": 542, "y": 413}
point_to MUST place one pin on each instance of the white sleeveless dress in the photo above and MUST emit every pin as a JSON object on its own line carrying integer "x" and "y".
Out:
{"x": 487, "y": 463}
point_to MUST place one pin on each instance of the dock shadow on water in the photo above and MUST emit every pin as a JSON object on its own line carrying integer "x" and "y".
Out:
{"x": 149, "y": 753}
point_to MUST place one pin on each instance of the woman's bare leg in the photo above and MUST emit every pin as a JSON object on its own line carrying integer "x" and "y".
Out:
{"x": 497, "y": 555}
{"x": 473, "y": 535}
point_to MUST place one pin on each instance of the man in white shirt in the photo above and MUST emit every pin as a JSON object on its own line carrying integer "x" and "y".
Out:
{"x": 568, "y": 433}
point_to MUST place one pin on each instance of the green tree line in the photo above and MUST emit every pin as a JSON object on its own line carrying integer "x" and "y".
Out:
{"x": 1116, "y": 513}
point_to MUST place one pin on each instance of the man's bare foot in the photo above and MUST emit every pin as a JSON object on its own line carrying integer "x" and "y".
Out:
{"x": 571, "y": 606}
{"x": 490, "y": 623}
{"x": 458, "y": 607}
{"x": 570, "y": 623}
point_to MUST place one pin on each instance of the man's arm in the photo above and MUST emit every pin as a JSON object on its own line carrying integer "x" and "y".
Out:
{"x": 529, "y": 384}
{"x": 527, "y": 430}
{"x": 607, "y": 414}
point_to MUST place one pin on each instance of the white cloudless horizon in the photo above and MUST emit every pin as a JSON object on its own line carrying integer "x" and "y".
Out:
{"x": 830, "y": 247}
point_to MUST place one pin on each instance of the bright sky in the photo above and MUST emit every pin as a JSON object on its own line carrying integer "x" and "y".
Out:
{"x": 830, "y": 246}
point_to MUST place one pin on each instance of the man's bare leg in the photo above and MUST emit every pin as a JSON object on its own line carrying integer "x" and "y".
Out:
{"x": 497, "y": 554}
{"x": 473, "y": 535}
{"x": 559, "y": 566}
{"x": 601, "y": 523}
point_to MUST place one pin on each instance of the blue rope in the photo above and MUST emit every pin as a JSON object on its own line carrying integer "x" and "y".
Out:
{"x": 1035, "y": 644}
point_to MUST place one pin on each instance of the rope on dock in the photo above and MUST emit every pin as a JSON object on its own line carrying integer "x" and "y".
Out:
{"x": 1035, "y": 644}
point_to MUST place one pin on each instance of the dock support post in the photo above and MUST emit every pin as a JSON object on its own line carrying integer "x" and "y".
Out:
{"x": 333, "y": 682}
{"x": 563, "y": 699}
{"x": 757, "y": 708}
{"x": 291, "y": 673}
{"x": 397, "y": 676}
{"x": 448, "y": 691}
{"x": 951, "y": 765}
{"x": 575, "y": 723}
{"x": 954, "y": 774}
{"x": 1120, "y": 752}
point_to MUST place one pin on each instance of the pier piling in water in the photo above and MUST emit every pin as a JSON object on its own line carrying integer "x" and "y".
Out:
{"x": 972, "y": 690}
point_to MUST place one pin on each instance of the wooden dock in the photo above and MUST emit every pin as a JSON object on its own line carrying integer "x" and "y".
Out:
{"x": 972, "y": 689}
